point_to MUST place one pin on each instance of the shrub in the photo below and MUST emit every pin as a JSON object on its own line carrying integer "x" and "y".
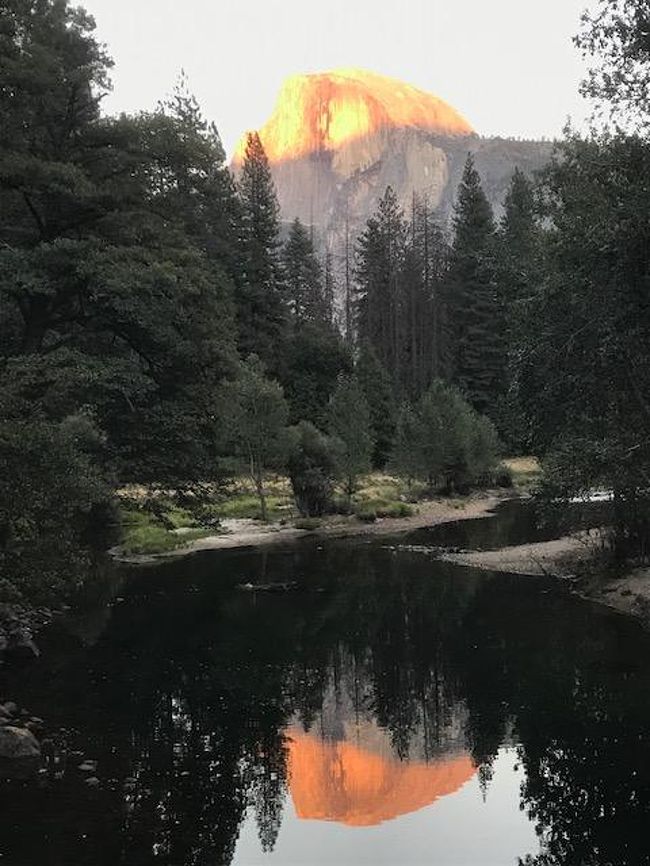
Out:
{"x": 143, "y": 534}
{"x": 503, "y": 477}
{"x": 396, "y": 509}
{"x": 444, "y": 441}
{"x": 55, "y": 506}
{"x": 312, "y": 465}
{"x": 385, "y": 508}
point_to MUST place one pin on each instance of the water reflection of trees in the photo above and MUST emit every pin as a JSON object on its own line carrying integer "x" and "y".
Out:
{"x": 574, "y": 684}
{"x": 188, "y": 694}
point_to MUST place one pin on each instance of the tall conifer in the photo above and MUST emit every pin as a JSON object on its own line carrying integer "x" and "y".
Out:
{"x": 475, "y": 332}
{"x": 303, "y": 277}
{"x": 260, "y": 303}
{"x": 380, "y": 257}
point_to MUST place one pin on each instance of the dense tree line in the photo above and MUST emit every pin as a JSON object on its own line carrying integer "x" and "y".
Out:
{"x": 429, "y": 305}
{"x": 580, "y": 367}
{"x": 155, "y": 325}
{"x": 135, "y": 275}
{"x": 540, "y": 320}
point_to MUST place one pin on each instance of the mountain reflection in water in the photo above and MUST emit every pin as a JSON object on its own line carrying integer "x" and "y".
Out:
{"x": 344, "y": 782}
{"x": 392, "y": 709}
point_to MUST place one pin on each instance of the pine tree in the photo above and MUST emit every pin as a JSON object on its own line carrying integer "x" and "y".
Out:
{"x": 519, "y": 238}
{"x": 517, "y": 280}
{"x": 432, "y": 252}
{"x": 405, "y": 456}
{"x": 261, "y": 306}
{"x": 423, "y": 272}
{"x": 377, "y": 388}
{"x": 475, "y": 330}
{"x": 444, "y": 441}
{"x": 380, "y": 258}
{"x": 303, "y": 277}
{"x": 200, "y": 188}
{"x": 401, "y": 267}
{"x": 315, "y": 356}
{"x": 329, "y": 288}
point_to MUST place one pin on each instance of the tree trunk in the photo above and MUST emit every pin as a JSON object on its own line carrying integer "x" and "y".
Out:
{"x": 259, "y": 486}
{"x": 349, "y": 490}
{"x": 258, "y": 478}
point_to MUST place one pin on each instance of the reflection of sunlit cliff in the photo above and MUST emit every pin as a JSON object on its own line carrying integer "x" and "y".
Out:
{"x": 322, "y": 112}
{"x": 344, "y": 782}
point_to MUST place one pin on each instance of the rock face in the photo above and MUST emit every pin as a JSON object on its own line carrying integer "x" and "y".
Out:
{"x": 326, "y": 111}
{"x": 337, "y": 139}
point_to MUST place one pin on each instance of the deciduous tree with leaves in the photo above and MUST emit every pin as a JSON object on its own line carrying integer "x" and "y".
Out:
{"x": 349, "y": 420}
{"x": 258, "y": 416}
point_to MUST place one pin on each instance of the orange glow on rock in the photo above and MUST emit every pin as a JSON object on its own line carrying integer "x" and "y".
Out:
{"x": 339, "y": 781}
{"x": 323, "y": 111}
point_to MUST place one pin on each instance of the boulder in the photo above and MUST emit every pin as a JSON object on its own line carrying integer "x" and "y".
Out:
{"x": 18, "y": 743}
{"x": 21, "y": 646}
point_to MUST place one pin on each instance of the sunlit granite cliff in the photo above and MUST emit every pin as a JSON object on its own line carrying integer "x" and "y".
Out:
{"x": 337, "y": 139}
{"x": 325, "y": 111}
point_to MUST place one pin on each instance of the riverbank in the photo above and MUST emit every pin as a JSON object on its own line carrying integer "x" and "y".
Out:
{"x": 560, "y": 557}
{"x": 155, "y": 524}
{"x": 245, "y": 532}
{"x": 573, "y": 558}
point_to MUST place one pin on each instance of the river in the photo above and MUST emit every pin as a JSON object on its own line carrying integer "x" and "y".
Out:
{"x": 388, "y": 708}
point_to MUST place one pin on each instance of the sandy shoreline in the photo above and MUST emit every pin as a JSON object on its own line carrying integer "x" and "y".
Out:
{"x": 556, "y": 558}
{"x": 568, "y": 558}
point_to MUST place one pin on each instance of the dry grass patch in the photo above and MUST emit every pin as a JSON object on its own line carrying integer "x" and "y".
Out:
{"x": 526, "y": 472}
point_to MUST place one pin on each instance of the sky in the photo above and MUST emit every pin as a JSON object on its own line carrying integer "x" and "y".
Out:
{"x": 509, "y": 66}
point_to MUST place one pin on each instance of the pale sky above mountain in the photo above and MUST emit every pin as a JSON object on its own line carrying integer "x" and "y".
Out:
{"x": 508, "y": 65}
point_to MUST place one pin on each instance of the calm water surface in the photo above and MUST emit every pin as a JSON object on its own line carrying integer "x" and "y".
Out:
{"x": 390, "y": 709}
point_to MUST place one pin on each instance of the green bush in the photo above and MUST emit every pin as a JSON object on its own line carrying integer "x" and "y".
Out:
{"x": 240, "y": 506}
{"x": 503, "y": 477}
{"x": 340, "y": 505}
{"x": 56, "y": 509}
{"x": 368, "y": 515}
{"x": 312, "y": 466}
{"x": 444, "y": 442}
{"x": 247, "y": 506}
{"x": 385, "y": 508}
{"x": 150, "y": 539}
{"x": 144, "y": 533}
{"x": 396, "y": 509}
